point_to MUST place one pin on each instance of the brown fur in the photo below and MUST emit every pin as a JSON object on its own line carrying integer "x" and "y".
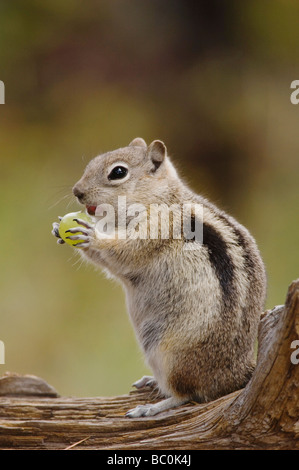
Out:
{"x": 195, "y": 312}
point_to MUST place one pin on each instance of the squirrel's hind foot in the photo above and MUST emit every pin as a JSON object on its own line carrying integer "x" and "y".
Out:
{"x": 152, "y": 410}
{"x": 145, "y": 381}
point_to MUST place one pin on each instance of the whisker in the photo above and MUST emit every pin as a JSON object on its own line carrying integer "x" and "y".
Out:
{"x": 71, "y": 201}
{"x": 59, "y": 201}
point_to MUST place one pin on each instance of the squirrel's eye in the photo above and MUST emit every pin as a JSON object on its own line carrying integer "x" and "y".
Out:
{"x": 117, "y": 173}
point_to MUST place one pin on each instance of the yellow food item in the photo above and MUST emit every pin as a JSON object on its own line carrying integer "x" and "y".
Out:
{"x": 67, "y": 222}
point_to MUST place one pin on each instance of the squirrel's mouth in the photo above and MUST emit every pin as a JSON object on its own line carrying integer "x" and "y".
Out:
{"x": 91, "y": 209}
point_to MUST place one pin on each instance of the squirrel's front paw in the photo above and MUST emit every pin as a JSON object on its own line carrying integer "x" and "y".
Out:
{"x": 55, "y": 232}
{"x": 81, "y": 235}
{"x": 73, "y": 230}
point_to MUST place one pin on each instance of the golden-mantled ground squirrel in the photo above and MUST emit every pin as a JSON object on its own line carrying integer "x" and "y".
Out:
{"x": 194, "y": 302}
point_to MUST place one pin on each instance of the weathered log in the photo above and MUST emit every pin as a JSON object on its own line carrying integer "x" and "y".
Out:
{"x": 263, "y": 415}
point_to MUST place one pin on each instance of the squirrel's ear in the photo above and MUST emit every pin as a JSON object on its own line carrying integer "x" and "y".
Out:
{"x": 157, "y": 153}
{"x": 138, "y": 142}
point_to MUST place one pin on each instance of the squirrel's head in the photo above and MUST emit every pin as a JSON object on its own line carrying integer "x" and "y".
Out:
{"x": 141, "y": 173}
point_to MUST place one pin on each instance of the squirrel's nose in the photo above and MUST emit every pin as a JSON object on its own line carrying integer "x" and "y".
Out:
{"x": 78, "y": 192}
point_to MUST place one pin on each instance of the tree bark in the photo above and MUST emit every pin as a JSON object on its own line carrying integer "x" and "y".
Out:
{"x": 263, "y": 415}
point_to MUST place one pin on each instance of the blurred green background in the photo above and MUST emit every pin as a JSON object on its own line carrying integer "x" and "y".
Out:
{"x": 211, "y": 79}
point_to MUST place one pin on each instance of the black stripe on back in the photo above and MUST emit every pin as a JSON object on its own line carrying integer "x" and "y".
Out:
{"x": 220, "y": 260}
{"x": 253, "y": 270}
{"x": 244, "y": 243}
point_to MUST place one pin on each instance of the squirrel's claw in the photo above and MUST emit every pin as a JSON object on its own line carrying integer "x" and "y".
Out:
{"x": 55, "y": 232}
{"x": 84, "y": 223}
{"x": 145, "y": 381}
